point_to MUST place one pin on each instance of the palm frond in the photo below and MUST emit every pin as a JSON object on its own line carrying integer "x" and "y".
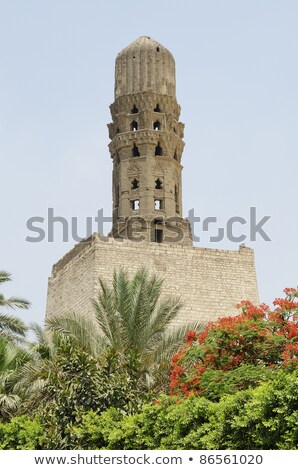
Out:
{"x": 8, "y": 403}
{"x": 121, "y": 287}
{"x": 4, "y": 276}
{"x": 12, "y": 324}
{"x": 107, "y": 316}
{"x": 163, "y": 317}
{"x": 84, "y": 331}
{"x": 39, "y": 332}
{"x": 14, "y": 302}
{"x": 174, "y": 339}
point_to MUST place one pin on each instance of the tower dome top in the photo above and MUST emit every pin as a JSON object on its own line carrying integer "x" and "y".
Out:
{"x": 145, "y": 42}
{"x": 145, "y": 65}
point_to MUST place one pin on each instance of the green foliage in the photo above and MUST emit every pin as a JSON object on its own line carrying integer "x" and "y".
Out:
{"x": 78, "y": 383}
{"x": 12, "y": 302}
{"x": 12, "y": 328}
{"x": 92, "y": 382}
{"x": 260, "y": 418}
{"x": 131, "y": 319}
{"x": 12, "y": 358}
{"x": 264, "y": 418}
{"x": 101, "y": 431}
{"x": 216, "y": 383}
{"x": 20, "y": 433}
{"x": 12, "y": 355}
{"x": 163, "y": 425}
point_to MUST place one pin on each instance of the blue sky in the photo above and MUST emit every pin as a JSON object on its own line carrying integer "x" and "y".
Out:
{"x": 237, "y": 75}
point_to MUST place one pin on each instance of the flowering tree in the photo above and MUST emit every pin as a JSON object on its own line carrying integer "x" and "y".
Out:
{"x": 234, "y": 353}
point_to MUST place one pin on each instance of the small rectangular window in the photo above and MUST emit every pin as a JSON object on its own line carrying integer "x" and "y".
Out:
{"x": 158, "y": 235}
{"x": 158, "y": 204}
{"x": 135, "y": 204}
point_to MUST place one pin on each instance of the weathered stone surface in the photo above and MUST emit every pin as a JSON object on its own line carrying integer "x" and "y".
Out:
{"x": 146, "y": 142}
{"x": 209, "y": 282}
{"x": 145, "y": 65}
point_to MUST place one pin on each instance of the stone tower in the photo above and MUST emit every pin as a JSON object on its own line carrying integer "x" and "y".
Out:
{"x": 146, "y": 146}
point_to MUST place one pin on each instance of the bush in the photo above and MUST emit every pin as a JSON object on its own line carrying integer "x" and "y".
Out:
{"x": 163, "y": 425}
{"x": 261, "y": 418}
{"x": 20, "y": 433}
{"x": 77, "y": 384}
{"x": 235, "y": 353}
{"x": 264, "y": 418}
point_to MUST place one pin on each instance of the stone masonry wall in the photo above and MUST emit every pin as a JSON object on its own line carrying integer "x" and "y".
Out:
{"x": 209, "y": 282}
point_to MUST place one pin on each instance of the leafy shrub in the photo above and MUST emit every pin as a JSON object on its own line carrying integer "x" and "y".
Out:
{"x": 20, "y": 433}
{"x": 263, "y": 418}
{"x": 260, "y": 418}
{"x": 77, "y": 384}
{"x": 235, "y": 353}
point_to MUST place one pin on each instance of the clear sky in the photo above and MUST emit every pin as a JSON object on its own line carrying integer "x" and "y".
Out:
{"x": 237, "y": 76}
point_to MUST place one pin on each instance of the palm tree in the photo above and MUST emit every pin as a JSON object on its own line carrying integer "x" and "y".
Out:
{"x": 130, "y": 319}
{"x": 12, "y": 302}
{"x": 11, "y": 327}
{"x": 30, "y": 380}
{"x": 12, "y": 358}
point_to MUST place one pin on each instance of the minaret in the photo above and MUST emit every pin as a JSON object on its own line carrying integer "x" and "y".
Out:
{"x": 146, "y": 146}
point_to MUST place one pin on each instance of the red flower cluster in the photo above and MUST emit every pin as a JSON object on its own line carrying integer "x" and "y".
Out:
{"x": 291, "y": 292}
{"x": 191, "y": 337}
{"x": 258, "y": 336}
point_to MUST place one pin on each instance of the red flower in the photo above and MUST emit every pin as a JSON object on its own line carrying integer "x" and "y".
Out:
{"x": 291, "y": 291}
{"x": 256, "y": 336}
{"x": 191, "y": 337}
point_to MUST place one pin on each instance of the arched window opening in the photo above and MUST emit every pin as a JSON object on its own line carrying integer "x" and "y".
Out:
{"x": 135, "y": 151}
{"x": 157, "y": 49}
{"x": 134, "y": 126}
{"x": 158, "y": 184}
{"x": 157, "y": 109}
{"x": 118, "y": 130}
{"x": 156, "y": 126}
{"x": 174, "y": 129}
{"x": 175, "y": 155}
{"x": 157, "y": 234}
{"x": 134, "y": 110}
{"x": 135, "y": 204}
{"x": 158, "y": 150}
{"x": 135, "y": 184}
